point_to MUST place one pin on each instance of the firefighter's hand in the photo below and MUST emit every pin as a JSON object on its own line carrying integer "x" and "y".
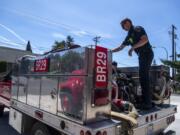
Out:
{"x": 130, "y": 51}
{"x": 118, "y": 48}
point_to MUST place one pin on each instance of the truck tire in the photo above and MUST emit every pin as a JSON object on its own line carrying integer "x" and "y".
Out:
{"x": 170, "y": 132}
{"x": 1, "y": 111}
{"x": 40, "y": 129}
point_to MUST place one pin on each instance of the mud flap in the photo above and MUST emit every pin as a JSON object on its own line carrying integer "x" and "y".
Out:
{"x": 15, "y": 120}
{"x": 150, "y": 129}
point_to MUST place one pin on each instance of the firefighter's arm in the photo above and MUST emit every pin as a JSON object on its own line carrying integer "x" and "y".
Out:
{"x": 141, "y": 43}
{"x": 123, "y": 44}
{"x": 119, "y": 48}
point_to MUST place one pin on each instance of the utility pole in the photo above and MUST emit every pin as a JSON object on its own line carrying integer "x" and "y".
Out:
{"x": 174, "y": 36}
{"x": 175, "y": 56}
{"x": 96, "y": 40}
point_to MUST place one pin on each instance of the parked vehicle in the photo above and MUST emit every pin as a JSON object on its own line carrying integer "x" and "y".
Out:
{"x": 5, "y": 92}
{"x": 69, "y": 92}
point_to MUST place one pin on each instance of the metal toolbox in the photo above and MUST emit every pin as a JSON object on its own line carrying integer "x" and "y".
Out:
{"x": 63, "y": 85}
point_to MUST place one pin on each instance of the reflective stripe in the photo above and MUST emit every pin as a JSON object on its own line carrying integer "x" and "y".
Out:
{"x": 131, "y": 40}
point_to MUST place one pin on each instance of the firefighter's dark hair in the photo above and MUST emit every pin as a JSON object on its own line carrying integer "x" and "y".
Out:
{"x": 124, "y": 21}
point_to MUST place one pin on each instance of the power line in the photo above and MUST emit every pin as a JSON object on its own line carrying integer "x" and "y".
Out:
{"x": 158, "y": 32}
{"x": 11, "y": 43}
{"x": 112, "y": 42}
{"x": 62, "y": 25}
{"x": 178, "y": 46}
{"x": 20, "y": 44}
{"x": 56, "y": 24}
{"x": 96, "y": 40}
{"x": 70, "y": 28}
{"x": 12, "y": 32}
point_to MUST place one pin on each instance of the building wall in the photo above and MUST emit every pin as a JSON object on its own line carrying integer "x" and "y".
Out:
{"x": 10, "y": 55}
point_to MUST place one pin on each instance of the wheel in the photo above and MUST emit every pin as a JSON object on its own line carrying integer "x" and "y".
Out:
{"x": 161, "y": 133}
{"x": 1, "y": 111}
{"x": 66, "y": 102}
{"x": 170, "y": 132}
{"x": 40, "y": 129}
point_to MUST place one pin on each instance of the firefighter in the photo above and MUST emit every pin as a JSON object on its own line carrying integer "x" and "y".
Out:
{"x": 115, "y": 70}
{"x": 139, "y": 42}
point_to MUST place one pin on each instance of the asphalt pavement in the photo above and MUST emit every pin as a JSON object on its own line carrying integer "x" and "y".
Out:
{"x": 5, "y": 129}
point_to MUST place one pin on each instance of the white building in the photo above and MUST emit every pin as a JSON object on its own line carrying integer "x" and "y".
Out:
{"x": 8, "y": 57}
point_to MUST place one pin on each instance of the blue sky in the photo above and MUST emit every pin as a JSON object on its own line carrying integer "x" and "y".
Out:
{"x": 44, "y": 21}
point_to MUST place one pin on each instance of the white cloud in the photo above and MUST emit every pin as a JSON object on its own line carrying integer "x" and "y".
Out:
{"x": 13, "y": 32}
{"x": 99, "y": 33}
{"x": 42, "y": 20}
{"x": 10, "y": 43}
{"x": 79, "y": 33}
{"x": 58, "y": 35}
{"x": 76, "y": 31}
{"x": 103, "y": 35}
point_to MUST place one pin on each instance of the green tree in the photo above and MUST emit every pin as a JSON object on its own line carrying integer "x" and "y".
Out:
{"x": 69, "y": 41}
{"x": 62, "y": 44}
{"x": 176, "y": 65}
{"x": 28, "y": 47}
{"x": 59, "y": 45}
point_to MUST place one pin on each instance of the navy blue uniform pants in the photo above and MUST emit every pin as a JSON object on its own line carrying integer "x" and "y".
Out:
{"x": 145, "y": 60}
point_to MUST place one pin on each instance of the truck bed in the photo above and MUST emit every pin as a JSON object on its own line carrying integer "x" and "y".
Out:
{"x": 156, "y": 109}
{"x": 156, "y": 120}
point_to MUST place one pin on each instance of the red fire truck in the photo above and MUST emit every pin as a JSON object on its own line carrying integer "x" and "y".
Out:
{"x": 5, "y": 88}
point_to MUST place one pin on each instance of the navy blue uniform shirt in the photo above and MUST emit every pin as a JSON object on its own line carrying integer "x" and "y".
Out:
{"x": 134, "y": 36}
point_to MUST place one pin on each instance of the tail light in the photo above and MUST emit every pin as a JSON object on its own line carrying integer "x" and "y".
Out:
{"x": 104, "y": 133}
{"x": 156, "y": 116}
{"x": 151, "y": 117}
{"x": 88, "y": 133}
{"x": 81, "y": 132}
{"x": 98, "y": 133}
{"x": 101, "y": 97}
{"x": 147, "y": 119}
